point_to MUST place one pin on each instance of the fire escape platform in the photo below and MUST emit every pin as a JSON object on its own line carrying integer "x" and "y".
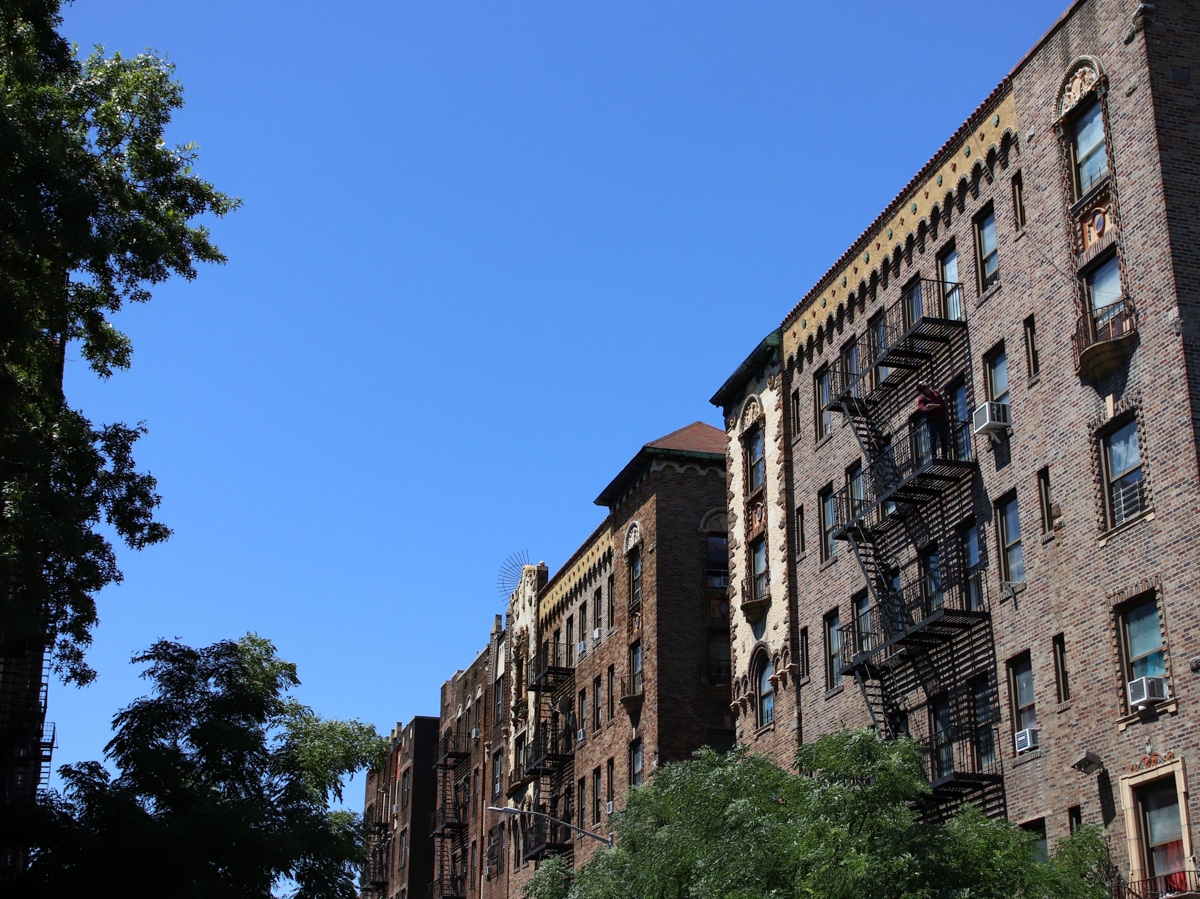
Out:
{"x": 937, "y": 628}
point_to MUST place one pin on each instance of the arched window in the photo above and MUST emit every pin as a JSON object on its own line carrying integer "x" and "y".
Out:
{"x": 766, "y": 692}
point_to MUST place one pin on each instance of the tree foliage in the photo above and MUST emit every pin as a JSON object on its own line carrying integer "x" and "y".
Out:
{"x": 223, "y": 788}
{"x": 95, "y": 208}
{"x": 842, "y": 826}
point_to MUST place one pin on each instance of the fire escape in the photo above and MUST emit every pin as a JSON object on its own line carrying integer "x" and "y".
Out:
{"x": 550, "y": 755}
{"x": 379, "y": 846}
{"x": 923, "y": 627}
{"x": 449, "y": 824}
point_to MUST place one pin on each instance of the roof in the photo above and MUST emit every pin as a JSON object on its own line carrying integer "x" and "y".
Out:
{"x": 766, "y": 352}
{"x": 698, "y": 441}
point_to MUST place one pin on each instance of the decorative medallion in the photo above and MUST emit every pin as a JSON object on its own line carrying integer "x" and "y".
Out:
{"x": 1078, "y": 83}
{"x": 1098, "y": 222}
{"x": 633, "y": 536}
{"x": 967, "y": 150}
{"x": 1151, "y": 760}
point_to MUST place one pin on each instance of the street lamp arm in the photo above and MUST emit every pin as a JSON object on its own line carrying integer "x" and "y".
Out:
{"x": 509, "y": 810}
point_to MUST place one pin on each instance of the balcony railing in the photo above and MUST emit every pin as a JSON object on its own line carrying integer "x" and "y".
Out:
{"x": 453, "y": 746}
{"x": 551, "y": 659}
{"x": 1177, "y": 883}
{"x": 554, "y": 742}
{"x": 542, "y": 836}
{"x": 452, "y": 816}
{"x": 962, "y": 757}
{"x": 926, "y": 611}
{"x": 756, "y": 596}
{"x": 452, "y": 887}
{"x": 1103, "y": 337}
{"x": 905, "y": 472}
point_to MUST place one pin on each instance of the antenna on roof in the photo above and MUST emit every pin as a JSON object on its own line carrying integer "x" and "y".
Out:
{"x": 510, "y": 573}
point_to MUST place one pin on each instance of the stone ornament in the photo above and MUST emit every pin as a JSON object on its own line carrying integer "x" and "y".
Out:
{"x": 633, "y": 536}
{"x": 1081, "y": 80}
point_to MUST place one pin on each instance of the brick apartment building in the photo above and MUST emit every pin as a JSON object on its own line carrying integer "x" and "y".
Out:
{"x": 616, "y": 664}
{"x": 1023, "y": 603}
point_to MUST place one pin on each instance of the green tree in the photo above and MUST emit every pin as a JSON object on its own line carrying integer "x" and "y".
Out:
{"x": 843, "y": 826}
{"x": 223, "y": 787}
{"x": 95, "y": 208}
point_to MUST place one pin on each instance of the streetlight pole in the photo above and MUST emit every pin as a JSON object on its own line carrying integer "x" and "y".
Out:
{"x": 509, "y": 810}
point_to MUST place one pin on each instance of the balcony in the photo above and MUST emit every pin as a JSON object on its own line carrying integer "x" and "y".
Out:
{"x": 1177, "y": 885}
{"x": 374, "y": 874}
{"x": 913, "y": 618}
{"x": 912, "y": 331}
{"x": 452, "y": 887}
{"x": 552, "y": 744}
{"x": 452, "y": 816}
{"x": 553, "y": 663}
{"x": 906, "y": 474}
{"x": 1103, "y": 339}
{"x": 542, "y": 837}
{"x": 452, "y": 747}
{"x": 633, "y": 693}
{"x": 960, "y": 760}
{"x": 756, "y": 596}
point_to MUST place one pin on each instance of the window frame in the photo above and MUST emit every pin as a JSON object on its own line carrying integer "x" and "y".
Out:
{"x": 1078, "y": 119}
{"x": 951, "y": 288}
{"x": 1129, "y": 662}
{"x": 828, "y": 523}
{"x": 754, "y": 452}
{"x": 764, "y": 691}
{"x": 985, "y": 224}
{"x": 1022, "y": 707}
{"x": 637, "y": 763}
{"x": 822, "y": 393}
{"x": 1009, "y": 545}
{"x": 634, "y": 564}
{"x": 1112, "y": 480}
{"x": 833, "y": 649}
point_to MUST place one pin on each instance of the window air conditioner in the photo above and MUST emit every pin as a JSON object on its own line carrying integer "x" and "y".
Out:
{"x": 582, "y": 648}
{"x": 596, "y": 635}
{"x": 608, "y": 807}
{"x": 1146, "y": 691}
{"x": 474, "y": 733}
{"x": 1026, "y": 740}
{"x": 579, "y": 735}
{"x": 395, "y": 810}
{"x": 991, "y": 418}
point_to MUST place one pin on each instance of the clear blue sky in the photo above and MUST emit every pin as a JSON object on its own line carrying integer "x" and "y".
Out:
{"x": 487, "y": 251}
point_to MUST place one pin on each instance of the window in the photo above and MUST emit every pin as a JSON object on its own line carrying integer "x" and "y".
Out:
{"x": 1088, "y": 150}
{"x": 583, "y": 629}
{"x": 1075, "y": 818}
{"x": 940, "y": 726}
{"x": 1103, "y": 285}
{"x": 796, "y": 412}
{"x": 766, "y": 692}
{"x": 864, "y": 639}
{"x": 635, "y": 577}
{"x": 856, "y": 490}
{"x": 635, "y": 763}
{"x": 984, "y": 737}
{"x": 612, "y": 690}
{"x": 718, "y": 562}
{"x": 405, "y": 787}
{"x": 498, "y": 702}
{"x": 878, "y": 334}
{"x": 821, "y": 398}
{"x": 596, "y": 795}
{"x": 1037, "y": 831}
{"x": 1045, "y": 504}
{"x": 833, "y": 650}
{"x": 583, "y": 711}
{"x": 828, "y": 546}
{"x": 972, "y": 558}
{"x": 718, "y": 658}
{"x": 612, "y": 603}
{"x": 403, "y": 854}
{"x": 755, "y": 461}
{"x": 1020, "y": 687}
{"x": 597, "y": 612}
{"x": 1031, "y": 351}
{"x": 960, "y": 418}
{"x": 1141, "y": 640}
{"x": 996, "y": 370}
{"x": 581, "y": 801}
{"x": 1008, "y": 529}
{"x": 759, "y": 578}
{"x": 635, "y": 669}
{"x": 987, "y": 257}
{"x": 1125, "y": 489}
{"x": 1162, "y": 835}
{"x": 800, "y": 530}
{"x": 610, "y": 768}
{"x": 1018, "y": 197}
{"x": 570, "y": 641}
{"x": 597, "y": 704}
{"x": 804, "y": 652}
{"x": 911, "y": 303}
{"x": 497, "y": 773}
{"x": 849, "y": 360}
{"x": 931, "y": 580}
{"x": 1062, "y": 685}
{"x": 951, "y": 288}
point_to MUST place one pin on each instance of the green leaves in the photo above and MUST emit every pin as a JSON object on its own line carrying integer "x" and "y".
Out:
{"x": 843, "y": 827}
{"x": 222, "y": 788}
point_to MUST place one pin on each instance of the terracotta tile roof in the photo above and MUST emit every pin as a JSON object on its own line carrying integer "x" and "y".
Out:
{"x": 697, "y": 437}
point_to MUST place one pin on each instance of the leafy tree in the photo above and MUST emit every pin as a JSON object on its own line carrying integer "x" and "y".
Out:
{"x": 95, "y": 208}
{"x": 223, "y": 788}
{"x": 843, "y": 826}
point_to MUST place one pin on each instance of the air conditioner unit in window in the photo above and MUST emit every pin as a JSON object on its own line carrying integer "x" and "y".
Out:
{"x": 596, "y": 635}
{"x": 1146, "y": 691}
{"x": 474, "y": 733}
{"x": 579, "y": 735}
{"x": 608, "y": 807}
{"x": 395, "y": 810}
{"x": 582, "y": 648}
{"x": 991, "y": 418}
{"x": 1025, "y": 740}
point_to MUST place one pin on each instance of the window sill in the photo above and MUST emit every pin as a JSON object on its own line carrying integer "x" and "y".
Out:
{"x": 823, "y": 439}
{"x": 1026, "y": 757}
{"x": 1063, "y": 706}
{"x": 988, "y": 294}
{"x": 1153, "y": 713}
{"x": 765, "y": 728}
{"x": 1047, "y": 537}
{"x": 1090, "y": 195}
{"x": 1035, "y": 379}
{"x": 830, "y": 561}
{"x": 1124, "y": 526}
{"x": 834, "y": 691}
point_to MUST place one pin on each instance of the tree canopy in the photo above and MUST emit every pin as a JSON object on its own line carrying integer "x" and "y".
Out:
{"x": 223, "y": 787}
{"x": 844, "y": 825}
{"x": 95, "y": 208}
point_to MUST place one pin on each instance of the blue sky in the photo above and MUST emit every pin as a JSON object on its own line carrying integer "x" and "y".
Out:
{"x": 487, "y": 251}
